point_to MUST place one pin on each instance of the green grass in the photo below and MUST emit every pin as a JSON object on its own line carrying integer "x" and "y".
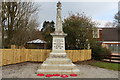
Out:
{"x": 106, "y": 65}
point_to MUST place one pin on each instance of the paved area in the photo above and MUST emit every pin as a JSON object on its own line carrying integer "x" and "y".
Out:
{"x": 27, "y": 70}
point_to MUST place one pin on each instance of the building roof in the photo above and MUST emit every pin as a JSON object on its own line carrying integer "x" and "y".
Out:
{"x": 37, "y": 41}
{"x": 110, "y": 34}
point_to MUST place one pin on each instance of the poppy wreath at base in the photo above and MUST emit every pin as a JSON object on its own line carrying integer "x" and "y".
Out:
{"x": 63, "y": 75}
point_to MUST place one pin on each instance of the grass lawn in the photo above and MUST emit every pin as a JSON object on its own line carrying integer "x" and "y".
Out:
{"x": 112, "y": 66}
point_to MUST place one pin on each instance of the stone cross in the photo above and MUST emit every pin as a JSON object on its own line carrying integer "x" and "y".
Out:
{"x": 58, "y": 28}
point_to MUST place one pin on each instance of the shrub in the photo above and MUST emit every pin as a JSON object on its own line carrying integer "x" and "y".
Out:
{"x": 98, "y": 52}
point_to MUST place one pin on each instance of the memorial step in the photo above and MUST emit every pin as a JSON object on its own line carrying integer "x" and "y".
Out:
{"x": 57, "y": 61}
{"x": 75, "y": 71}
{"x": 61, "y": 67}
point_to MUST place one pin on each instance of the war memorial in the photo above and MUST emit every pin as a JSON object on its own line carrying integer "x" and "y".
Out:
{"x": 58, "y": 62}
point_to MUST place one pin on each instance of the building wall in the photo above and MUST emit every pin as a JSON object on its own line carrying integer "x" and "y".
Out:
{"x": 35, "y": 46}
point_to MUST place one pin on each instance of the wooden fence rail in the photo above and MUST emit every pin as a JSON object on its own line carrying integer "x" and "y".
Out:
{"x": 112, "y": 58}
{"x": 13, "y": 56}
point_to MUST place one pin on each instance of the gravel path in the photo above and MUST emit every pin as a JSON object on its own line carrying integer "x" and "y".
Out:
{"x": 27, "y": 70}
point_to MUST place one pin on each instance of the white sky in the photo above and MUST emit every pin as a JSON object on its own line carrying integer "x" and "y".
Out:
{"x": 101, "y": 12}
{"x": 73, "y": 0}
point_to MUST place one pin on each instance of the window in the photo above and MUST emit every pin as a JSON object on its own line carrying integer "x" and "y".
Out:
{"x": 114, "y": 47}
{"x": 96, "y": 33}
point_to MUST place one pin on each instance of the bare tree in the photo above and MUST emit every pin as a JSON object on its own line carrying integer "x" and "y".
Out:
{"x": 117, "y": 19}
{"x": 0, "y": 26}
{"x": 109, "y": 24}
{"x": 18, "y": 21}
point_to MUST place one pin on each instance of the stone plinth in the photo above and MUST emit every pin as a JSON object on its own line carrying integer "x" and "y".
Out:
{"x": 58, "y": 65}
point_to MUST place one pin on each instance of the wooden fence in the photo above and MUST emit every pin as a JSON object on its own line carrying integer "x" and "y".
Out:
{"x": 112, "y": 58}
{"x": 13, "y": 56}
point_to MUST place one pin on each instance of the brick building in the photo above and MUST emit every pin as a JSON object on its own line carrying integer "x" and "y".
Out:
{"x": 109, "y": 37}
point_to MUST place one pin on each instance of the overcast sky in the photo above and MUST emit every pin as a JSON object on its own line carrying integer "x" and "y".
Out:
{"x": 101, "y": 12}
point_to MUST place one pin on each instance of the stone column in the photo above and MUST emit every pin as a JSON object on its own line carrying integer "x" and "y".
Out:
{"x": 58, "y": 43}
{"x": 58, "y": 28}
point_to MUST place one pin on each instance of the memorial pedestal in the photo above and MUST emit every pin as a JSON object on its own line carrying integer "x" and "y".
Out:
{"x": 58, "y": 65}
{"x": 58, "y": 62}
